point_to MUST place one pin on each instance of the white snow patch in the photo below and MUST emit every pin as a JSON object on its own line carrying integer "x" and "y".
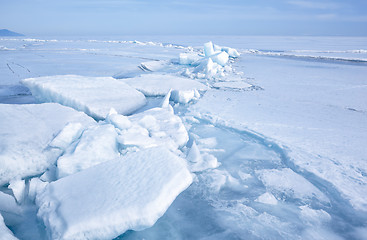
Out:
{"x": 18, "y": 189}
{"x": 104, "y": 201}
{"x": 36, "y": 186}
{"x": 97, "y": 144}
{"x": 67, "y": 135}
{"x": 93, "y": 95}
{"x": 267, "y": 198}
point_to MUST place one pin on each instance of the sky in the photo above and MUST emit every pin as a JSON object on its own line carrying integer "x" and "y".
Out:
{"x": 189, "y": 17}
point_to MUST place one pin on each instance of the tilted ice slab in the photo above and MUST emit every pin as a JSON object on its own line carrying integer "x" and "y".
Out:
{"x": 5, "y": 233}
{"x": 97, "y": 144}
{"x": 104, "y": 201}
{"x": 183, "y": 89}
{"x": 26, "y": 131}
{"x": 93, "y": 95}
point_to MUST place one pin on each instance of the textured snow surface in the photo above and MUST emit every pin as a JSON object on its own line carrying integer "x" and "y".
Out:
{"x": 276, "y": 140}
{"x": 26, "y": 131}
{"x": 183, "y": 89}
{"x": 92, "y": 95}
{"x": 104, "y": 201}
{"x": 96, "y": 145}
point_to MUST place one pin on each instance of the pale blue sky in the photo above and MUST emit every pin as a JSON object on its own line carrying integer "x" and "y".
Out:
{"x": 206, "y": 17}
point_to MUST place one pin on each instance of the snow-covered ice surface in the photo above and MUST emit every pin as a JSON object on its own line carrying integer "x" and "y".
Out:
{"x": 276, "y": 140}
{"x": 93, "y": 95}
{"x": 183, "y": 89}
{"x": 26, "y": 131}
{"x": 106, "y": 200}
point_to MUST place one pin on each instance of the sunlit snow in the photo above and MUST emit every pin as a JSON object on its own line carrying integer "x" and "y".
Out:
{"x": 183, "y": 138}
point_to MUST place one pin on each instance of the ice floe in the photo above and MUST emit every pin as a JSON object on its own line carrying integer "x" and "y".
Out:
{"x": 93, "y": 95}
{"x": 104, "y": 201}
{"x": 26, "y": 131}
{"x": 154, "y": 84}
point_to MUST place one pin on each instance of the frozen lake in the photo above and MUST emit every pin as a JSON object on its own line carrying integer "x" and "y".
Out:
{"x": 281, "y": 130}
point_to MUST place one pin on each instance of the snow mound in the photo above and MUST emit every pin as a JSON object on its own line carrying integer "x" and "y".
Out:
{"x": 26, "y": 131}
{"x": 104, "y": 201}
{"x": 92, "y": 95}
{"x": 183, "y": 89}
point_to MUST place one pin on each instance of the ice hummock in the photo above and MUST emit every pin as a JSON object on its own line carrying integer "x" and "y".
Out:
{"x": 155, "y": 84}
{"x": 93, "y": 95}
{"x": 214, "y": 63}
{"x": 85, "y": 147}
{"x": 104, "y": 201}
{"x": 26, "y": 131}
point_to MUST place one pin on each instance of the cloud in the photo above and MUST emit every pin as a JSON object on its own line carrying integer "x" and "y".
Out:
{"x": 315, "y": 5}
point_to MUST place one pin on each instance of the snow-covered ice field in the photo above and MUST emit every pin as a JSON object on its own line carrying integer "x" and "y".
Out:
{"x": 164, "y": 137}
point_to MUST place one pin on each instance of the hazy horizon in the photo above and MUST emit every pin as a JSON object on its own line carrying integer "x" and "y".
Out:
{"x": 140, "y": 17}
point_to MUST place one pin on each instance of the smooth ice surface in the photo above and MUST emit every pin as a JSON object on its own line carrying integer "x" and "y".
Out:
{"x": 267, "y": 198}
{"x": 18, "y": 189}
{"x": 26, "y": 131}
{"x": 287, "y": 182}
{"x": 160, "y": 84}
{"x": 208, "y": 49}
{"x": 104, "y": 201}
{"x": 221, "y": 58}
{"x": 93, "y": 95}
